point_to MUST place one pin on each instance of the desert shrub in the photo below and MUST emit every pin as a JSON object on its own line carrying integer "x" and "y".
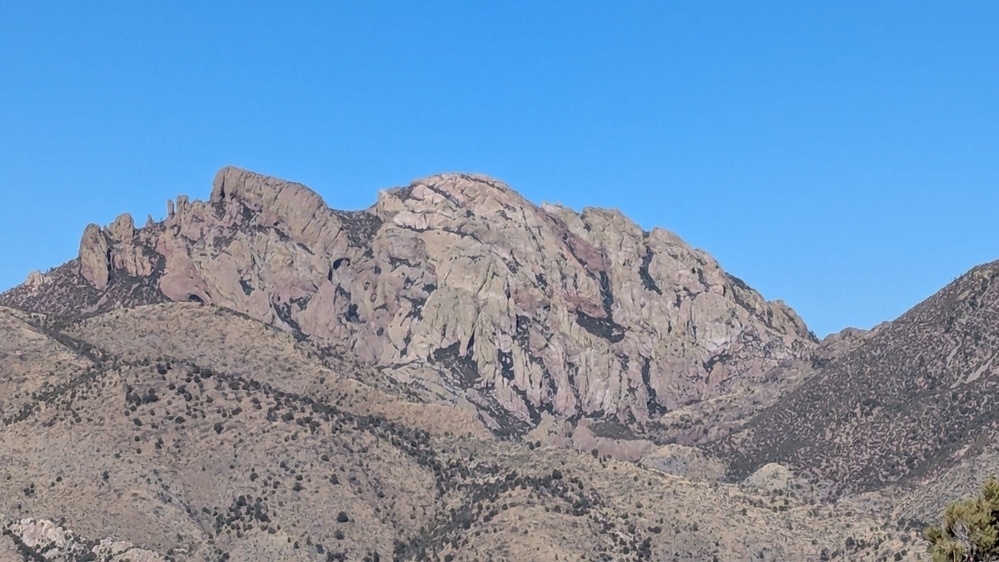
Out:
{"x": 970, "y": 529}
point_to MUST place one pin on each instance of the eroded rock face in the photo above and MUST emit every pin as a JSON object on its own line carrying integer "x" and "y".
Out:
{"x": 94, "y": 259}
{"x": 40, "y": 539}
{"x": 459, "y": 287}
{"x": 123, "y": 228}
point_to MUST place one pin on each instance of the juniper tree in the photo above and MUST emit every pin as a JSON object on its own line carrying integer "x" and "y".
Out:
{"x": 970, "y": 529}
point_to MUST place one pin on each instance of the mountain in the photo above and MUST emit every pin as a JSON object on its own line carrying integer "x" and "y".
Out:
{"x": 197, "y": 433}
{"x": 452, "y": 374}
{"x": 457, "y": 288}
{"x": 913, "y": 407}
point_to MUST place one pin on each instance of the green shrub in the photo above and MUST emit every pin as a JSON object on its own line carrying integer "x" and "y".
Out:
{"x": 970, "y": 529}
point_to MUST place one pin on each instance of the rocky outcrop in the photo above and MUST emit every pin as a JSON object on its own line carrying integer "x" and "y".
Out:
{"x": 95, "y": 257}
{"x": 123, "y": 228}
{"x": 459, "y": 288}
{"x": 40, "y": 539}
{"x": 35, "y": 279}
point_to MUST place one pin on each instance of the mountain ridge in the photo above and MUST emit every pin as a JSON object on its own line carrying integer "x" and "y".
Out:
{"x": 454, "y": 362}
{"x": 461, "y": 277}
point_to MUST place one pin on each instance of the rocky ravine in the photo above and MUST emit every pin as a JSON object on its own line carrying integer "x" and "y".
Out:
{"x": 454, "y": 287}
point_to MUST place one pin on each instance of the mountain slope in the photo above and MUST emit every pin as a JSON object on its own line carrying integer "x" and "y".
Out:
{"x": 913, "y": 400}
{"x": 200, "y": 434}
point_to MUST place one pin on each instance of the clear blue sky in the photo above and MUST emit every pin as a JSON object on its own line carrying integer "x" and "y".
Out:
{"x": 842, "y": 156}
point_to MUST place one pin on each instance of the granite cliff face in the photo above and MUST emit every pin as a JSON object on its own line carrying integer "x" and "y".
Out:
{"x": 455, "y": 287}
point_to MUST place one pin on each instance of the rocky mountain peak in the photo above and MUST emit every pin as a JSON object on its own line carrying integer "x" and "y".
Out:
{"x": 457, "y": 288}
{"x": 263, "y": 192}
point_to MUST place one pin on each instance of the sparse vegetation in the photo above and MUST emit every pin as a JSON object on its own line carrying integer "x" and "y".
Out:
{"x": 970, "y": 528}
{"x": 419, "y": 488}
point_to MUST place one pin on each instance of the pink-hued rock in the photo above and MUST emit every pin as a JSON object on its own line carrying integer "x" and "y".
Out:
{"x": 458, "y": 285}
{"x": 94, "y": 259}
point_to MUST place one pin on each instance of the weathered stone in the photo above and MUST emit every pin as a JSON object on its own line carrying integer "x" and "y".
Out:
{"x": 460, "y": 283}
{"x": 35, "y": 279}
{"x": 95, "y": 260}
{"x": 123, "y": 228}
{"x": 41, "y": 539}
